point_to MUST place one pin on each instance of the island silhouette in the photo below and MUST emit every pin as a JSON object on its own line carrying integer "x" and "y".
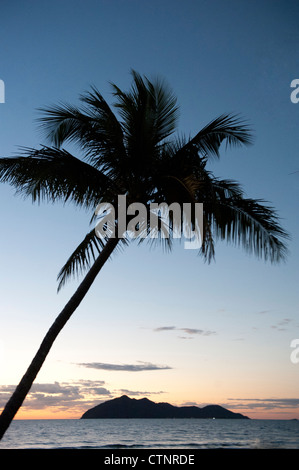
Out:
{"x": 127, "y": 408}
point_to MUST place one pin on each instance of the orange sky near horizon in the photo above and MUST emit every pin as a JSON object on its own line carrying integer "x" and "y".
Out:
{"x": 46, "y": 414}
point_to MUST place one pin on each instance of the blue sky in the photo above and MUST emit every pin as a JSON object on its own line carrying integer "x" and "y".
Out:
{"x": 216, "y": 333}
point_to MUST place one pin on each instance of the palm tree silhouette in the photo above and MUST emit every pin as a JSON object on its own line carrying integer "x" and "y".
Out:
{"x": 138, "y": 155}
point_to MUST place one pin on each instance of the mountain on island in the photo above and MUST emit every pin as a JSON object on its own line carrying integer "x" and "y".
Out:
{"x": 125, "y": 407}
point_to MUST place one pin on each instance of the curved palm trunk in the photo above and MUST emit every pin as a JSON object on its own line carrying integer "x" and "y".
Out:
{"x": 19, "y": 395}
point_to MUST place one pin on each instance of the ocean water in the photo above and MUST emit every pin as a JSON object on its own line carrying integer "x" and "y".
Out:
{"x": 152, "y": 434}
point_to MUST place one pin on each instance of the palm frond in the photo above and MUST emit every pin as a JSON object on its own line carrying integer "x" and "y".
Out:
{"x": 164, "y": 109}
{"x": 159, "y": 233}
{"x": 94, "y": 127}
{"x": 83, "y": 256}
{"x": 62, "y": 123}
{"x": 251, "y": 224}
{"x": 54, "y": 174}
{"x": 149, "y": 114}
{"x": 224, "y": 128}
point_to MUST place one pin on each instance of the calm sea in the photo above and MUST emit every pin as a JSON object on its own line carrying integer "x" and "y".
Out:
{"x": 151, "y": 434}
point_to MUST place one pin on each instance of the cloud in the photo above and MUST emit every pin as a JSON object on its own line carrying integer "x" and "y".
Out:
{"x": 142, "y": 366}
{"x": 193, "y": 331}
{"x": 68, "y": 397}
{"x": 264, "y": 403}
{"x": 165, "y": 328}
{"x": 281, "y": 326}
{"x": 124, "y": 391}
{"x": 188, "y": 331}
{"x": 63, "y": 396}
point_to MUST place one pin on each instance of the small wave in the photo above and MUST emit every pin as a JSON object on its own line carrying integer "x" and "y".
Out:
{"x": 95, "y": 446}
{"x": 122, "y": 446}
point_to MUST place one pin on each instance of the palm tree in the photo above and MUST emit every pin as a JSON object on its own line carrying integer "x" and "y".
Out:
{"x": 135, "y": 154}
